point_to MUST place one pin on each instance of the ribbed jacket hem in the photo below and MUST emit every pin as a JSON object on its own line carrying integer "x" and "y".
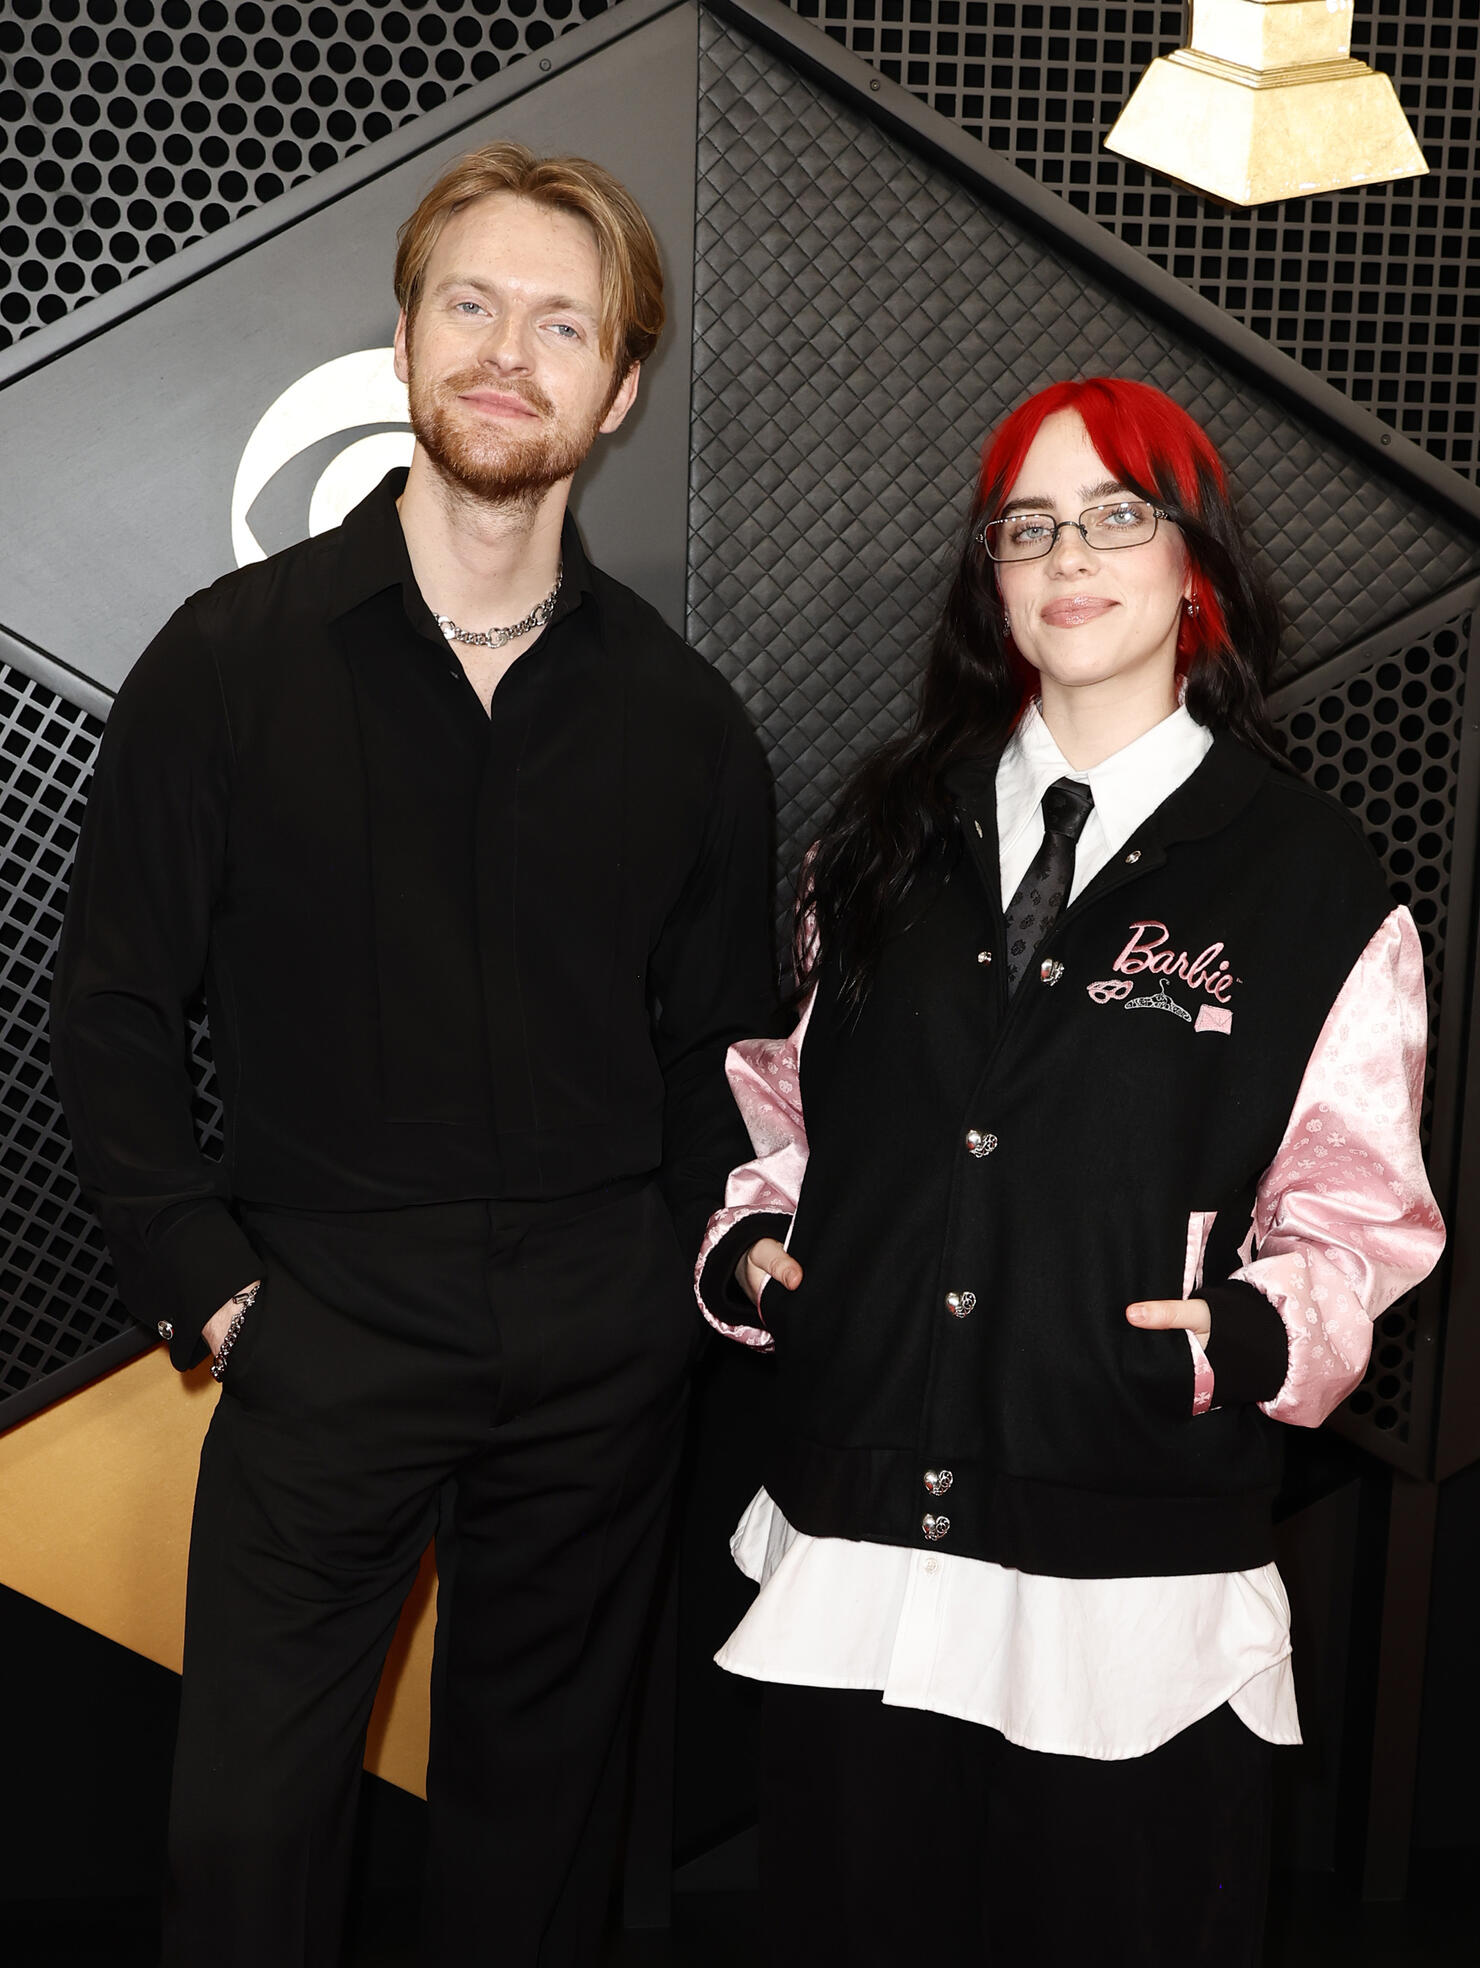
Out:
{"x": 879, "y": 1496}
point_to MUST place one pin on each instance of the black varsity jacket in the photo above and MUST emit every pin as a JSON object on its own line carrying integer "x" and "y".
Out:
{"x": 1207, "y": 1086}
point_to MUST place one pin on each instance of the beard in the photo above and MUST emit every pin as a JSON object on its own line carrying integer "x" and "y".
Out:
{"x": 491, "y": 462}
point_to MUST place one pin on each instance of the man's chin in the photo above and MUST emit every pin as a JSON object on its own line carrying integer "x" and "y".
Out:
{"x": 501, "y": 474}
{"x": 498, "y": 484}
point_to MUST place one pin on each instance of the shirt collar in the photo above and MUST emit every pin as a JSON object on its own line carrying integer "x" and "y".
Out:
{"x": 1128, "y": 786}
{"x": 372, "y": 557}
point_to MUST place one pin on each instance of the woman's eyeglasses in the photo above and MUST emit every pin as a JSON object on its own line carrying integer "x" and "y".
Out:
{"x": 1033, "y": 535}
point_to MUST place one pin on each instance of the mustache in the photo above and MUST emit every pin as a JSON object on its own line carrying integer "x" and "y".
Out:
{"x": 469, "y": 380}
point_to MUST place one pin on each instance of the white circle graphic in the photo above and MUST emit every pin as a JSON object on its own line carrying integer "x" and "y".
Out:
{"x": 342, "y": 395}
{"x": 353, "y": 472}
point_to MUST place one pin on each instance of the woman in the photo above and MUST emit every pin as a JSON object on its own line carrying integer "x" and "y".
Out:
{"x": 1106, "y": 1091}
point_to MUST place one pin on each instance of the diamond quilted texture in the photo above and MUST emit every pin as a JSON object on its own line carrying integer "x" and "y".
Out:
{"x": 861, "y": 320}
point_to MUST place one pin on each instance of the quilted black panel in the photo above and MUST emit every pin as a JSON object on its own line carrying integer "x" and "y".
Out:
{"x": 861, "y": 320}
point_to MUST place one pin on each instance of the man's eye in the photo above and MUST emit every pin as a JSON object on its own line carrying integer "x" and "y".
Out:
{"x": 566, "y": 329}
{"x": 467, "y": 307}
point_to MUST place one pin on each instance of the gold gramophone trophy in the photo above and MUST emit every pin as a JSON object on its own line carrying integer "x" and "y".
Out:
{"x": 1267, "y": 103}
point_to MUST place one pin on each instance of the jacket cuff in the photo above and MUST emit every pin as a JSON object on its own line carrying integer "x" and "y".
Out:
{"x": 719, "y": 1288}
{"x": 1248, "y": 1348}
{"x": 200, "y": 1260}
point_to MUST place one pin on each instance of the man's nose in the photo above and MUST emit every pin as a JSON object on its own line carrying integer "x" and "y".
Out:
{"x": 506, "y": 342}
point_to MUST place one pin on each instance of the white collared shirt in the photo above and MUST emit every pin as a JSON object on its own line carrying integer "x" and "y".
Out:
{"x": 1128, "y": 787}
{"x": 1106, "y": 1668}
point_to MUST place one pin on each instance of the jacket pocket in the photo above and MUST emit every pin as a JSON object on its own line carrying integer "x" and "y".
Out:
{"x": 770, "y": 1294}
{"x": 775, "y": 1306}
{"x": 1199, "y": 1229}
{"x": 1161, "y": 1373}
{"x": 244, "y": 1346}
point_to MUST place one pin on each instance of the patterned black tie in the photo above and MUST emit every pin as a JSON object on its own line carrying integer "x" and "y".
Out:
{"x": 1043, "y": 891}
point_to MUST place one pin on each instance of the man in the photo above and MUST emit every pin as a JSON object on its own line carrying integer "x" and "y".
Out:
{"x": 471, "y": 854}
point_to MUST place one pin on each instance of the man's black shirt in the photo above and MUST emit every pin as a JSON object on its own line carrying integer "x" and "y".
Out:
{"x": 447, "y": 955}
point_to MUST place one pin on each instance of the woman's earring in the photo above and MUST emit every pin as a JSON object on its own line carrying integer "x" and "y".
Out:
{"x": 1193, "y": 606}
{"x": 1006, "y": 623}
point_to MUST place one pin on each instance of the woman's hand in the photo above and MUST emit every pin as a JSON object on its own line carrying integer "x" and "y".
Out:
{"x": 1161, "y": 1314}
{"x": 763, "y": 1261}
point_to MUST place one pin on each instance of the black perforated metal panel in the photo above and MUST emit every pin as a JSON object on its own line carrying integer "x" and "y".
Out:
{"x": 55, "y": 1280}
{"x": 129, "y": 128}
{"x": 1385, "y": 742}
{"x": 1377, "y": 290}
{"x": 57, "y": 1304}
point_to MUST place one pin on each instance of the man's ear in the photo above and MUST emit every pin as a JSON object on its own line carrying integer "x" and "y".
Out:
{"x": 403, "y": 370}
{"x": 622, "y": 402}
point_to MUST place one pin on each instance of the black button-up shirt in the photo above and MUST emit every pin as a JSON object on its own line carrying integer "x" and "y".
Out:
{"x": 447, "y": 955}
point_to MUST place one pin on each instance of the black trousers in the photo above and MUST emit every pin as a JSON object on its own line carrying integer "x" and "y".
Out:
{"x": 894, "y": 1836}
{"x": 529, "y": 1363}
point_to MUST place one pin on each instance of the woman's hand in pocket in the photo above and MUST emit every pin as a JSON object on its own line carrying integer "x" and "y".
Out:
{"x": 764, "y": 1261}
{"x": 1163, "y": 1314}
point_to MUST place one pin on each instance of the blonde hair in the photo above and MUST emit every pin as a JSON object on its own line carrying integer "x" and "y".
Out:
{"x": 631, "y": 276}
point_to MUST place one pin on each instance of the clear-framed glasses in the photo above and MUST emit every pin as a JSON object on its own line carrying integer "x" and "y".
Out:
{"x": 1032, "y": 535}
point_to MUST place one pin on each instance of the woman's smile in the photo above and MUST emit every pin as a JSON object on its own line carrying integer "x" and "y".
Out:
{"x": 1073, "y": 611}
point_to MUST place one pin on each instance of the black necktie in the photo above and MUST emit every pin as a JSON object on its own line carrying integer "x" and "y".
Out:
{"x": 1043, "y": 891}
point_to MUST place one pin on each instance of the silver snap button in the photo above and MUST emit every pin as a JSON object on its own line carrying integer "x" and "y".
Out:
{"x": 938, "y": 1481}
{"x": 984, "y": 956}
{"x": 1133, "y": 857}
{"x": 960, "y": 1305}
{"x": 165, "y": 1329}
{"x": 934, "y": 1527}
{"x": 979, "y": 1144}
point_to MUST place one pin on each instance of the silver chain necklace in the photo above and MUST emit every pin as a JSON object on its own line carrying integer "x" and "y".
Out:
{"x": 496, "y": 638}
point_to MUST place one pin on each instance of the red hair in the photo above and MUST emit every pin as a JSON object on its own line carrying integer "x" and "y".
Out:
{"x": 1148, "y": 443}
{"x": 898, "y": 812}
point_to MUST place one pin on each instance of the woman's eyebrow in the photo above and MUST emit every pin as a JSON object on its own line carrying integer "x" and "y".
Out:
{"x": 1040, "y": 501}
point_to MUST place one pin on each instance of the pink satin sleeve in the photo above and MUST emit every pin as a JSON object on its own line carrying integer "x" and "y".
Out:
{"x": 1199, "y": 1229}
{"x": 1344, "y": 1220}
{"x": 765, "y": 1078}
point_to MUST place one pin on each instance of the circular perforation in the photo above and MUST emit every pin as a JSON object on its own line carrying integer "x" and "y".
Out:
{"x": 129, "y": 128}
{"x": 1386, "y": 744}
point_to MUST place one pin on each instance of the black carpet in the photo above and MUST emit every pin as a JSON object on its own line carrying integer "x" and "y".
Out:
{"x": 1316, "y": 1921}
